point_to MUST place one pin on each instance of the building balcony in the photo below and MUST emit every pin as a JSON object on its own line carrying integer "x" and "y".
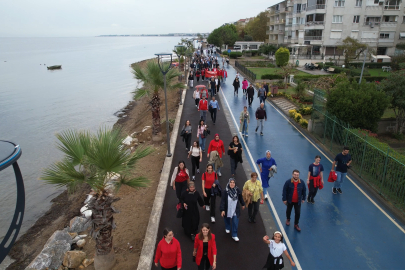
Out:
{"x": 312, "y": 37}
{"x": 369, "y": 40}
{"x": 290, "y": 3}
{"x": 315, "y": 25}
{"x": 277, "y": 11}
{"x": 372, "y": 8}
{"x": 386, "y": 40}
{"x": 316, "y": 9}
{"x": 372, "y": 24}
{"x": 281, "y": 32}
{"x": 388, "y": 24}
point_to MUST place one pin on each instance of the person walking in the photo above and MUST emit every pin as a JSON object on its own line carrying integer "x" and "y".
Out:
{"x": 216, "y": 145}
{"x": 196, "y": 158}
{"x": 213, "y": 86}
{"x": 236, "y": 86}
{"x": 342, "y": 162}
{"x": 235, "y": 154}
{"x": 261, "y": 116}
{"x": 197, "y": 75}
{"x": 196, "y": 96}
{"x": 250, "y": 92}
{"x": 202, "y": 131}
{"x": 205, "y": 249}
{"x": 168, "y": 252}
{"x": 213, "y": 107}
{"x": 315, "y": 179}
{"x": 277, "y": 248}
{"x": 203, "y": 74}
{"x": 180, "y": 178}
{"x": 208, "y": 178}
{"x": 186, "y": 131}
{"x": 230, "y": 209}
{"x": 294, "y": 192}
{"x": 204, "y": 93}
{"x": 255, "y": 189}
{"x": 266, "y": 87}
{"x": 244, "y": 120}
{"x": 203, "y": 108}
{"x": 262, "y": 94}
{"x": 244, "y": 86}
{"x": 191, "y": 79}
{"x": 218, "y": 85}
{"x": 265, "y": 166}
{"x": 190, "y": 199}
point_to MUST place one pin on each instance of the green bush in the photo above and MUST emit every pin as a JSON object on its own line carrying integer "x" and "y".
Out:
{"x": 225, "y": 52}
{"x": 303, "y": 123}
{"x": 254, "y": 53}
{"x": 292, "y": 113}
{"x": 297, "y": 117}
{"x": 271, "y": 77}
{"x": 306, "y": 99}
{"x": 282, "y": 56}
{"x": 258, "y": 64}
{"x": 305, "y": 110}
{"x": 327, "y": 64}
{"x": 369, "y": 78}
{"x": 235, "y": 55}
{"x": 372, "y": 65}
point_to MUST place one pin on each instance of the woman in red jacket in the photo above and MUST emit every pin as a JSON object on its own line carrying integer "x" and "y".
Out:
{"x": 168, "y": 252}
{"x": 205, "y": 249}
{"x": 216, "y": 145}
{"x": 203, "y": 74}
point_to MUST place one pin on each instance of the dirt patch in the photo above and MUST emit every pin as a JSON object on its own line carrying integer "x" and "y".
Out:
{"x": 135, "y": 205}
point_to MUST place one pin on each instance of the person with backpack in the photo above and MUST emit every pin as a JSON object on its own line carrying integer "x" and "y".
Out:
{"x": 203, "y": 108}
{"x": 244, "y": 86}
{"x": 196, "y": 157}
{"x": 250, "y": 92}
{"x": 261, "y": 93}
{"x": 216, "y": 145}
{"x": 261, "y": 116}
{"x": 208, "y": 178}
{"x": 236, "y": 86}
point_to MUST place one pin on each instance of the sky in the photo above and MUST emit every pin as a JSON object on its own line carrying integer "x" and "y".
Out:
{"x": 77, "y": 18}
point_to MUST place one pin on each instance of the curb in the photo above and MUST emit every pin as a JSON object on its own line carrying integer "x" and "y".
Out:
{"x": 148, "y": 247}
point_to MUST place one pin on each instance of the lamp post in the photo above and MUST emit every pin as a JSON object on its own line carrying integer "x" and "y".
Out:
{"x": 165, "y": 68}
{"x": 9, "y": 154}
{"x": 362, "y": 69}
{"x": 178, "y": 57}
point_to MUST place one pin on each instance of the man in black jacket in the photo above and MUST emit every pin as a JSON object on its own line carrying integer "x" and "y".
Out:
{"x": 250, "y": 93}
{"x": 260, "y": 117}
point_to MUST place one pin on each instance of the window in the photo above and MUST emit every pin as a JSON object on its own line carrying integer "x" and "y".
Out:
{"x": 376, "y": 2}
{"x": 336, "y": 34}
{"x": 358, "y": 3}
{"x": 340, "y": 3}
{"x": 384, "y": 35}
{"x": 337, "y": 19}
{"x": 403, "y": 19}
{"x": 354, "y": 34}
{"x": 356, "y": 19}
{"x": 303, "y": 20}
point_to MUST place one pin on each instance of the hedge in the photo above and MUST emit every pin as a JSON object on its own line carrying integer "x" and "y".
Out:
{"x": 271, "y": 77}
{"x": 252, "y": 52}
{"x": 349, "y": 71}
{"x": 370, "y": 78}
{"x": 373, "y": 65}
{"x": 235, "y": 55}
{"x": 258, "y": 64}
{"x": 327, "y": 64}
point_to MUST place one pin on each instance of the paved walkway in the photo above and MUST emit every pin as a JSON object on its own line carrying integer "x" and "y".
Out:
{"x": 250, "y": 252}
{"x": 347, "y": 231}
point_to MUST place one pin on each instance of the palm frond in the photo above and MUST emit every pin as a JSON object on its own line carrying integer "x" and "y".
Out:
{"x": 74, "y": 144}
{"x": 140, "y": 93}
{"x": 132, "y": 182}
{"x": 139, "y": 153}
{"x": 63, "y": 174}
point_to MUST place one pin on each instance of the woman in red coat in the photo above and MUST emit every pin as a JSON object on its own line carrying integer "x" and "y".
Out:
{"x": 168, "y": 252}
{"x": 216, "y": 145}
{"x": 205, "y": 249}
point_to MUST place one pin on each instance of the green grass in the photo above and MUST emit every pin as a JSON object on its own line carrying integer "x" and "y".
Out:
{"x": 257, "y": 57}
{"x": 377, "y": 72}
{"x": 389, "y": 113}
{"x": 262, "y": 71}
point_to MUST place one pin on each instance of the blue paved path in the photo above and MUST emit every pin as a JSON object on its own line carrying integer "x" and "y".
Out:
{"x": 344, "y": 231}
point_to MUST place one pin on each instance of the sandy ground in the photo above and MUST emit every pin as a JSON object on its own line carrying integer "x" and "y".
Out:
{"x": 135, "y": 204}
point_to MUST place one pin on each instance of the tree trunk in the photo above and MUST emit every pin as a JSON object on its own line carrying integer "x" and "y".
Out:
{"x": 156, "y": 127}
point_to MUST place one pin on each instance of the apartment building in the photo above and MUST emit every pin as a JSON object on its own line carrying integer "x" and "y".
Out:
{"x": 317, "y": 27}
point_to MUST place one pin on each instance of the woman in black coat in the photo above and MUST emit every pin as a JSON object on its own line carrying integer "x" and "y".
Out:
{"x": 191, "y": 216}
{"x": 236, "y": 85}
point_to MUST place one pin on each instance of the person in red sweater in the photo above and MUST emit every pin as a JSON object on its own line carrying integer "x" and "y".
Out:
{"x": 207, "y": 179}
{"x": 203, "y": 74}
{"x": 216, "y": 145}
{"x": 168, "y": 252}
{"x": 294, "y": 192}
{"x": 205, "y": 249}
{"x": 203, "y": 108}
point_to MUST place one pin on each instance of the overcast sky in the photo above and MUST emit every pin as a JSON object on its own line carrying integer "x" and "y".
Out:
{"x": 74, "y": 18}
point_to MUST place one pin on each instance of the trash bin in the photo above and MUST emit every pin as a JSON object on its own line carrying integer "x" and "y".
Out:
{"x": 274, "y": 90}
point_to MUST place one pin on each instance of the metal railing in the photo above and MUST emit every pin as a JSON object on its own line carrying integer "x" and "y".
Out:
{"x": 381, "y": 167}
{"x": 312, "y": 37}
{"x": 313, "y": 7}
{"x": 245, "y": 71}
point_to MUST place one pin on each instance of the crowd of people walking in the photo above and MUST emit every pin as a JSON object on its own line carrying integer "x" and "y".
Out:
{"x": 233, "y": 200}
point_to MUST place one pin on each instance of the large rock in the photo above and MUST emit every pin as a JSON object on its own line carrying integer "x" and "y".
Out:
{"x": 81, "y": 243}
{"x": 87, "y": 262}
{"x": 51, "y": 256}
{"x": 74, "y": 258}
{"x": 79, "y": 224}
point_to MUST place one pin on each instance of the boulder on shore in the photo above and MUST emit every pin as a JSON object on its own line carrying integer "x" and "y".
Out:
{"x": 74, "y": 258}
{"x": 78, "y": 224}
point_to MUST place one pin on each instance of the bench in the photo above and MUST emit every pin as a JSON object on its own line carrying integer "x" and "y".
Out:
{"x": 331, "y": 69}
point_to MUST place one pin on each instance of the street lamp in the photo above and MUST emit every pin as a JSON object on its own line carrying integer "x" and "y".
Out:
{"x": 362, "y": 69}
{"x": 178, "y": 57}
{"x": 9, "y": 154}
{"x": 165, "y": 67}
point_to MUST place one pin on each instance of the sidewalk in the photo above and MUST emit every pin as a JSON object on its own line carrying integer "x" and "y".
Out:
{"x": 250, "y": 252}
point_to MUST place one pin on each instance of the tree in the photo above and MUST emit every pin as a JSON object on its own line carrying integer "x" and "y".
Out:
{"x": 257, "y": 27}
{"x": 248, "y": 38}
{"x": 394, "y": 87}
{"x": 152, "y": 84}
{"x": 360, "y": 105}
{"x": 286, "y": 71}
{"x": 267, "y": 48}
{"x": 352, "y": 49}
{"x": 396, "y": 60}
{"x": 105, "y": 165}
{"x": 226, "y": 34}
{"x": 282, "y": 56}
{"x": 215, "y": 38}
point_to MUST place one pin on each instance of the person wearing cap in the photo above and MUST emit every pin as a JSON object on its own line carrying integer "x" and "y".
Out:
{"x": 230, "y": 209}
{"x": 277, "y": 248}
{"x": 265, "y": 166}
{"x": 294, "y": 192}
{"x": 190, "y": 199}
{"x": 216, "y": 145}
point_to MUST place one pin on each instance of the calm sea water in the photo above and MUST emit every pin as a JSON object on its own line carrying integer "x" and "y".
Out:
{"x": 36, "y": 103}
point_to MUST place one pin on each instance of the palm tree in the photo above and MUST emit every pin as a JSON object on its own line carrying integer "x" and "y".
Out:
{"x": 152, "y": 84}
{"x": 102, "y": 162}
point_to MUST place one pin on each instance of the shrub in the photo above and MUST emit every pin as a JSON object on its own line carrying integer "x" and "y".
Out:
{"x": 282, "y": 56}
{"x": 306, "y": 99}
{"x": 297, "y": 117}
{"x": 225, "y": 52}
{"x": 271, "y": 77}
{"x": 369, "y": 78}
{"x": 303, "y": 123}
{"x": 306, "y": 110}
{"x": 373, "y": 65}
{"x": 292, "y": 113}
{"x": 235, "y": 55}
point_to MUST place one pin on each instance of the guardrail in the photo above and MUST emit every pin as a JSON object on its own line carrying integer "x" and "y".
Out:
{"x": 245, "y": 71}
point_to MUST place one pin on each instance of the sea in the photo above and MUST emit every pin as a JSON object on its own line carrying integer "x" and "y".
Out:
{"x": 36, "y": 103}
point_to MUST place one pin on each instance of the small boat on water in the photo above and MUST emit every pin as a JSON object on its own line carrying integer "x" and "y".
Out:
{"x": 54, "y": 67}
